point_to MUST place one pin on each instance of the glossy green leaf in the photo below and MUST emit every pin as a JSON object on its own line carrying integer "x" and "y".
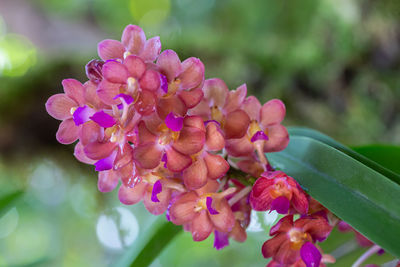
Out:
{"x": 7, "y": 200}
{"x": 386, "y": 155}
{"x": 353, "y": 191}
{"x": 365, "y": 159}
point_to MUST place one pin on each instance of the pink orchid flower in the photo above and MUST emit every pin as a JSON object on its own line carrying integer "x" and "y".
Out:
{"x": 278, "y": 191}
{"x": 133, "y": 42}
{"x": 224, "y": 106}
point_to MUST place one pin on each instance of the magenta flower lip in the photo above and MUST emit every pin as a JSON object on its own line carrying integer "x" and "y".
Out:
{"x": 310, "y": 255}
{"x": 103, "y": 119}
{"x": 175, "y": 123}
{"x": 82, "y": 115}
{"x": 260, "y": 135}
{"x": 209, "y": 202}
{"x": 157, "y": 189}
{"x": 281, "y": 205}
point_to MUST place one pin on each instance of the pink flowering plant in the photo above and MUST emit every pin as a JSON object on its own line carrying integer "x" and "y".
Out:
{"x": 160, "y": 132}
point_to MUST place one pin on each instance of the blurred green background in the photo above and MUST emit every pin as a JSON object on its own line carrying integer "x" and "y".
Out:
{"x": 335, "y": 63}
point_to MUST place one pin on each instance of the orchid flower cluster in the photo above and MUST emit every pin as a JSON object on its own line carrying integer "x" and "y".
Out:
{"x": 187, "y": 146}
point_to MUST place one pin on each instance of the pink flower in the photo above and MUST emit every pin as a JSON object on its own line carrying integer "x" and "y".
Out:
{"x": 265, "y": 132}
{"x": 131, "y": 78}
{"x": 294, "y": 240}
{"x": 133, "y": 42}
{"x": 224, "y": 106}
{"x": 174, "y": 141}
{"x": 277, "y": 191}
{"x": 181, "y": 83}
{"x": 155, "y": 191}
{"x": 71, "y": 109}
{"x": 202, "y": 211}
{"x": 207, "y": 165}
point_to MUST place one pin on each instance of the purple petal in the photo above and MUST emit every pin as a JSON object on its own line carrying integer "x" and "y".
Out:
{"x": 157, "y": 188}
{"x": 212, "y": 211}
{"x": 127, "y": 98}
{"x": 310, "y": 255}
{"x": 103, "y": 119}
{"x": 106, "y": 163}
{"x": 93, "y": 70}
{"x": 82, "y": 115}
{"x": 164, "y": 83}
{"x": 221, "y": 240}
{"x": 260, "y": 135}
{"x": 175, "y": 123}
{"x": 165, "y": 160}
{"x": 281, "y": 205}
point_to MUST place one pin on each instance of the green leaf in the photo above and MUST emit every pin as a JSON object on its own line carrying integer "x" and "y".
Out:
{"x": 7, "y": 200}
{"x": 355, "y": 192}
{"x": 298, "y": 131}
{"x": 386, "y": 155}
{"x": 162, "y": 235}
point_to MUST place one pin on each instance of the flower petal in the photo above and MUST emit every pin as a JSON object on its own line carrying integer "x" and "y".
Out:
{"x": 90, "y": 132}
{"x": 177, "y": 162}
{"x": 215, "y": 140}
{"x": 252, "y": 107}
{"x": 107, "y": 181}
{"x": 106, "y": 91}
{"x": 148, "y": 156}
{"x": 278, "y": 138}
{"x": 216, "y": 92}
{"x": 182, "y": 210}
{"x": 170, "y": 64}
{"x": 272, "y": 112}
{"x": 110, "y": 49}
{"x": 135, "y": 66}
{"x": 239, "y": 147}
{"x": 74, "y": 90}
{"x": 282, "y": 226}
{"x": 224, "y": 220}
{"x": 146, "y": 103}
{"x": 260, "y": 198}
{"x": 103, "y": 119}
{"x": 286, "y": 255}
{"x": 144, "y": 135}
{"x": 164, "y": 197}
{"x": 195, "y": 176}
{"x": 115, "y": 72}
{"x": 67, "y": 132}
{"x": 80, "y": 154}
{"x": 191, "y": 97}
{"x": 130, "y": 196}
{"x": 235, "y": 98}
{"x": 150, "y": 80}
{"x": 152, "y": 49}
{"x": 236, "y": 124}
{"x": 59, "y": 106}
{"x": 134, "y": 39}
{"x": 201, "y": 226}
{"x": 217, "y": 166}
{"x": 171, "y": 104}
{"x": 271, "y": 246}
{"x": 192, "y": 73}
{"x": 97, "y": 150}
{"x": 310, "y": 255}
{"x": 191, "y": 140}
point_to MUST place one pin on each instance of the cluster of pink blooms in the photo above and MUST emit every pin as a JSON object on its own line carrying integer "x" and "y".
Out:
{"x": 153, "y": 125}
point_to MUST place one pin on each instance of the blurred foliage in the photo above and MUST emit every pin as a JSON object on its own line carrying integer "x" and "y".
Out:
{"x": 335, "y": 64}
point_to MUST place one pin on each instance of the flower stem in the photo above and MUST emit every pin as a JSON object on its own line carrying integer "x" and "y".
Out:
{"x": 374, "y": 249}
